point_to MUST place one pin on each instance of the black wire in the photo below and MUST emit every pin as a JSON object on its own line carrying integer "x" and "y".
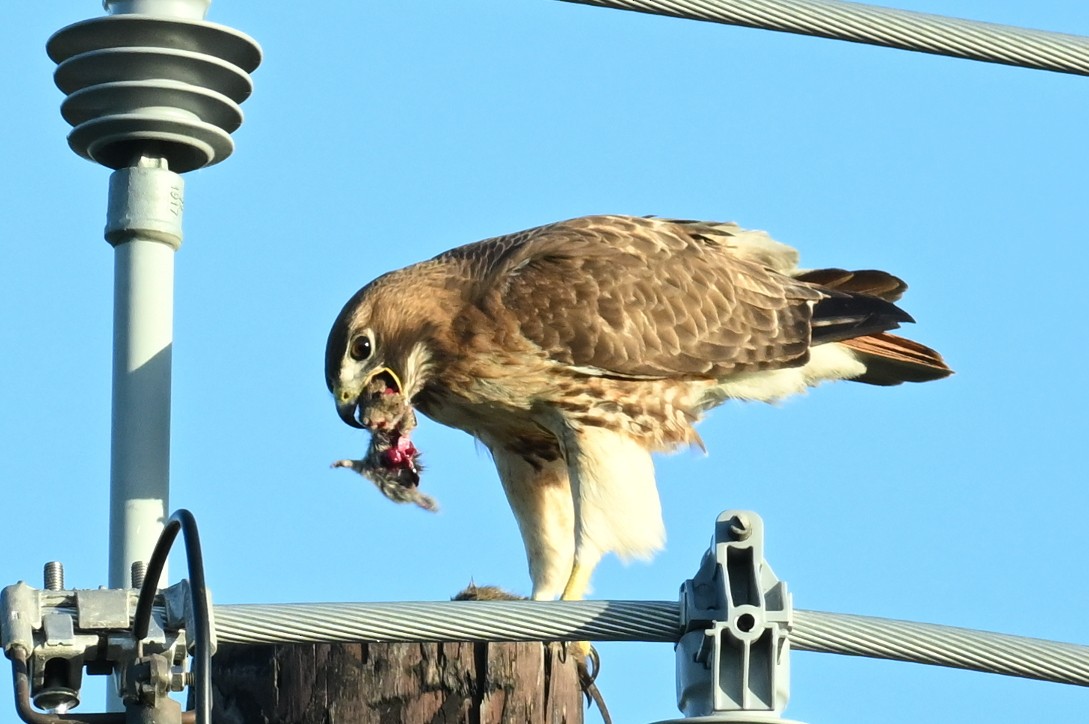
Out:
{"x": 202, "y": 630}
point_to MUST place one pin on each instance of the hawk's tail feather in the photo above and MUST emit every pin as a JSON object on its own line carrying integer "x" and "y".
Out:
{"x": 862, "y": 281}
{"x": 858, "y": 315}
{"x": 890, "y": 360}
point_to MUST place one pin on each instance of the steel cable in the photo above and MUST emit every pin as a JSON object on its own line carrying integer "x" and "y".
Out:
{"x": 925, "y": 643}
{"x": 907, "y": 30}
{"x": 448, "y": 621}
{"x": 642, "y": 621}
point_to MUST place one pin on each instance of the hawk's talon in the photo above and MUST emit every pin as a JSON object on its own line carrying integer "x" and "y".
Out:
{"x": 585, "y": 654}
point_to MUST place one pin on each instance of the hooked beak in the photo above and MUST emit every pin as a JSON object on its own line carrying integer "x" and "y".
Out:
{"x": 348, "y": 408}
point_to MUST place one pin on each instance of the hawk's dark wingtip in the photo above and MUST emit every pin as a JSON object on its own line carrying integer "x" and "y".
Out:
{"x": 845, "y": 316}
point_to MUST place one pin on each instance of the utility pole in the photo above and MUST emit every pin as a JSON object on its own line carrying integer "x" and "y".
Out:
{"x": 396, "y": 683}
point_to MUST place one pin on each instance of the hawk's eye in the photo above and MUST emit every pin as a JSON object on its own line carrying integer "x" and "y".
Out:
{"x": 360, "y": 348}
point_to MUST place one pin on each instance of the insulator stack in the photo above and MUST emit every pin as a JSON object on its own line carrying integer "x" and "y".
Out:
{"x": 143, "y": 83}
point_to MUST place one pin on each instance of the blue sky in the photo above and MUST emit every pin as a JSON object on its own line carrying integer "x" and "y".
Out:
{"x": 382, "y": 133}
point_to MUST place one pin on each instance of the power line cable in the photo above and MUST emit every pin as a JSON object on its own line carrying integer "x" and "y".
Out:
{"x": 889, "y": 27}
{"x": 643, "y": 621}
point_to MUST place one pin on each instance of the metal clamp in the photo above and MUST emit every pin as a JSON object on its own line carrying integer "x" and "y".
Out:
{"x": 53, "y": 635}
{"x": 733, "y": 657}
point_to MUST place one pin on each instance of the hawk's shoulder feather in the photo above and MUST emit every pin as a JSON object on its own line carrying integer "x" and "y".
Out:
{"x": 645, "y": 297}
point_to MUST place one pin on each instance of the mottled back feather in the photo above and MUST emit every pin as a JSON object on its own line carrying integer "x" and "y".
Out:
{"x": 652, "y": 298}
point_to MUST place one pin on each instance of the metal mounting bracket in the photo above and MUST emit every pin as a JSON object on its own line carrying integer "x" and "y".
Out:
{"x": 733, "y": 657}
{"x": 53, "y": 635}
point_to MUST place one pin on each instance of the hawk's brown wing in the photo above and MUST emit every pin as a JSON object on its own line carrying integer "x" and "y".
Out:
{"x": 632, "y": 297}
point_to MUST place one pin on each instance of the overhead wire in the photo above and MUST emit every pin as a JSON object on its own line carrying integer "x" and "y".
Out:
{"x": 889, "y": 27}
{"x": 643, "y": 621}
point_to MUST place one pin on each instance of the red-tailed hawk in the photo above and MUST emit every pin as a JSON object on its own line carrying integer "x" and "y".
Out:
{"x": 574, "y": 350}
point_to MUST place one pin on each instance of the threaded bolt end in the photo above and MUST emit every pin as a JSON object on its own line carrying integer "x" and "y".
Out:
{"x": 54, "y": 576}
{"x": 137, "y": 572}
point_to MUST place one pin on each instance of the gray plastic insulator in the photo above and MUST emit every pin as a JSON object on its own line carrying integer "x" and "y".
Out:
{"x": 733, "y": 658}
{"x": 142, "y": 84}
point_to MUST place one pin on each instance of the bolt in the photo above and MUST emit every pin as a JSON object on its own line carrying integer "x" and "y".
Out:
{"x": 54, "y": 576}
{"x": 137, "y": 572}
{"x": 179, "y": 680}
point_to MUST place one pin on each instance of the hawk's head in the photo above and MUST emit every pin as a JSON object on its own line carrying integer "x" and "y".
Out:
{"x": 377, "y": 354}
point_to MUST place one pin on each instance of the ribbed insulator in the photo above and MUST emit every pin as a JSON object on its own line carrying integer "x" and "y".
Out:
{"x": 151, "y": 85}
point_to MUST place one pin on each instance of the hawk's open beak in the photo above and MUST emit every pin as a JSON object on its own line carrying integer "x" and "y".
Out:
{"x": 391, "y": 376}
{"x": 349, "y": 409}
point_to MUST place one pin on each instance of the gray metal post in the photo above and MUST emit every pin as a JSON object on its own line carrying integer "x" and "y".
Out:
{"x": 144, "y": 225}
{"x": 153, "y": 91}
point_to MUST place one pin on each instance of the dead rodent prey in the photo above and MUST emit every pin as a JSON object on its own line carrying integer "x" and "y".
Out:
{"x": 391, "y": 461}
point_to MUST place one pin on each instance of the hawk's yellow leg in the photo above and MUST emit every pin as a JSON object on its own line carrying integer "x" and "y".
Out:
{"x": 577, "y": 583}
{"x": 575, "y": 589}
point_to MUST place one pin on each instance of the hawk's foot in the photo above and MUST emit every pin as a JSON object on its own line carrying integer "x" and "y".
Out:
{"x": 588, "y": 666}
